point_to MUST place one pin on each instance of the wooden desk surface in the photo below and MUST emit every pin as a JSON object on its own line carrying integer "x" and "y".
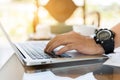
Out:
{"x": 14, "y": 70}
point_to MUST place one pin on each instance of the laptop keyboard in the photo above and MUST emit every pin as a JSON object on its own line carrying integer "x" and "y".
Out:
{"x": 36, "y": 51}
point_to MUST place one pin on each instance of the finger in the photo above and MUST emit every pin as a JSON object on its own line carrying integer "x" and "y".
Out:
{"x": 53, "y": 46}
{"x": 56, "y": 39}
{"x": 50, "y": 43}
{"x": 65, "y": 49}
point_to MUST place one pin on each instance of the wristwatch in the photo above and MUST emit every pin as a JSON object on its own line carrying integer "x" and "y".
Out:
{"x": 105, "y": 38}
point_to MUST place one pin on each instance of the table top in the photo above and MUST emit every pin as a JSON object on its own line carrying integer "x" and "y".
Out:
{"x": 100, "y": 71}
{"x": 14, "y": 70}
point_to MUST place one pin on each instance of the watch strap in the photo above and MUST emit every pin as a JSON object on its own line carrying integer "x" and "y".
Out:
{"x": 108, "y": 46}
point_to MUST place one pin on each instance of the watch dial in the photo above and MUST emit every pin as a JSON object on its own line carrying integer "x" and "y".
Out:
{"x": 104, "y": 35}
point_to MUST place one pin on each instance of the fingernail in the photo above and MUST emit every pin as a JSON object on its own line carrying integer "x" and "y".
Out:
{"x": 57, "y": 53}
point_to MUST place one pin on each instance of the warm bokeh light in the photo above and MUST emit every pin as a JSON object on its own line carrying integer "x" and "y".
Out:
{"x": 78, "y": 2}
{"x": 17, "y": 16}
{"x": 43, "y": 2}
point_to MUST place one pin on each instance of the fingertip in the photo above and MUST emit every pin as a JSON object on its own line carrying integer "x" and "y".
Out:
{"x": 58, "y": 53}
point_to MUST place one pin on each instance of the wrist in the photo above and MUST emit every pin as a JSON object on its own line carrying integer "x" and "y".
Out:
{"x": 98, "y": 48}
{"x": 94, "y": 47}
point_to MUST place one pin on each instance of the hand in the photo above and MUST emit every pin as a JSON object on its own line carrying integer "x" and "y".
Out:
{"x": 74, "y": 41}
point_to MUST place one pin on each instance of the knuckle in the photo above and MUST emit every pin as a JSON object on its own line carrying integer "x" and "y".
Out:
{"x": 69, "y": 46}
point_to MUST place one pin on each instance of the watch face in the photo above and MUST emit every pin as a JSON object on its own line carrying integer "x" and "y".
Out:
{"x": 103, "y": 35}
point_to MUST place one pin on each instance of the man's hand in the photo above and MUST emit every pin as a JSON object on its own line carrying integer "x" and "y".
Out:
{"x": 74, "y": 41}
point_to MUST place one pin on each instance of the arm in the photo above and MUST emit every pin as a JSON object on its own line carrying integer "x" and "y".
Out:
{"x": 83, "y": 44}
{"x": 116, "y": 29}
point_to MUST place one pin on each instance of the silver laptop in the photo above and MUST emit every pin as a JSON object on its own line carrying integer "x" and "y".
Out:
{"x": 31, "y": 53}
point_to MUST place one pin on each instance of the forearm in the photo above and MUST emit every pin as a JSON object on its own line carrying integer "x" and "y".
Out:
{"x": 116, "y": 29}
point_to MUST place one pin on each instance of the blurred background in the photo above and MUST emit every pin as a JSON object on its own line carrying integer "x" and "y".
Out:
{"x": 21, "y": 18}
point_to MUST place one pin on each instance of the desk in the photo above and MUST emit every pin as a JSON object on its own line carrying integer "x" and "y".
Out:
{"x": 14, "y": 70}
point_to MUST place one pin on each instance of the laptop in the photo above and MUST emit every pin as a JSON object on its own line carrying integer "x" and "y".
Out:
{"x": 31, "y": 53}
